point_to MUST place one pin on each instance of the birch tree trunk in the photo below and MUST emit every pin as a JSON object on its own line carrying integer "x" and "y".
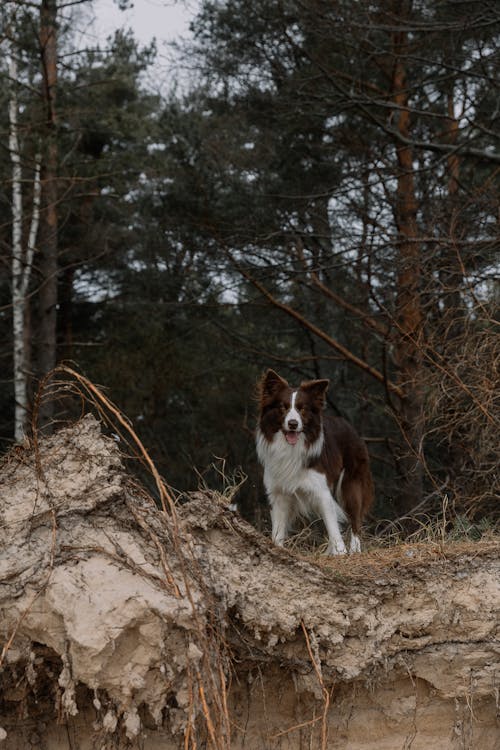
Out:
{"x": 22, "y": 259}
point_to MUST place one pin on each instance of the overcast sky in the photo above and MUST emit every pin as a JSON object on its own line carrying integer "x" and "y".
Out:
{"x": 163, "y": 19}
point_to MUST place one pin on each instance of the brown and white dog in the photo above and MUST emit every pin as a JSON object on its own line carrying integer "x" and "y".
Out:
{"x": 313, "y": 464}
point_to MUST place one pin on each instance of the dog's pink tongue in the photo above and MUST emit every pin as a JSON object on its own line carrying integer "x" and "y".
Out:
{"x": 291, "y": 437}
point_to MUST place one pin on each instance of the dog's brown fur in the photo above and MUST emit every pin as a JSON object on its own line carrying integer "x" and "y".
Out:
{"x": 343, "y": 449}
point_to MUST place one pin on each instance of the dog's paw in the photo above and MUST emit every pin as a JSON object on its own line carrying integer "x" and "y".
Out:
{"x": 336, "y": 549}
{"x": 355, "y": 545}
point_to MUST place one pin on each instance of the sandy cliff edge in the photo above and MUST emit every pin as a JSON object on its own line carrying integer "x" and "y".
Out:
{"x": 122, "y": 628}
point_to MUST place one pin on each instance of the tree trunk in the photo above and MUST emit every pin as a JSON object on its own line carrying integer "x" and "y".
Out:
{"x": 407, "y": 353}
{"x": 22, "y": 261}
{"x": 47, "y": 298}
{"x": 66, "y": 312}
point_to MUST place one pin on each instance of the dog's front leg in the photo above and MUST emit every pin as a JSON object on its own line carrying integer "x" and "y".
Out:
{"x": 328, "y": 512}
{"x": 280, "y": 517}
{"x": 321, "y": 499}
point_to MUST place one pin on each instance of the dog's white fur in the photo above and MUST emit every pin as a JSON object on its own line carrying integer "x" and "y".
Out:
{"x": 294, "y": 489}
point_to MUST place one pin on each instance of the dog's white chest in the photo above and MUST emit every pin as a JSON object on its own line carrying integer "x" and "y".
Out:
{"x": 286, "y": 466}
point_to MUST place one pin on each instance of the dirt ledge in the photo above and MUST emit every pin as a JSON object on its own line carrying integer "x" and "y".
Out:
{"x": 122, "y": 627}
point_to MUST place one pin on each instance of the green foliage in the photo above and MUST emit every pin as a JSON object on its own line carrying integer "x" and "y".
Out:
{"x": 463, "y": 528}
{"x": 278, "y": 166}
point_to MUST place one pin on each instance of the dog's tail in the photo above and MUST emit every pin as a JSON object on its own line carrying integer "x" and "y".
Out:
{"x": 337, "y": 500}
{"x": 338, "y": 488}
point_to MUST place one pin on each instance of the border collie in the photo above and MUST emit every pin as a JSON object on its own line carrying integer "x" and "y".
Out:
{"x": 310, "y": 459}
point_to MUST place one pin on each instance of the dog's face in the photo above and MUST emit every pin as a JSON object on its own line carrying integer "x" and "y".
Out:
{"x": 292, "y": 411}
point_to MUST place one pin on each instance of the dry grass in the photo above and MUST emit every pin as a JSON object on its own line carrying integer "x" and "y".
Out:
{"x": 406, "y": 557}
{"x": 391, "y": 548}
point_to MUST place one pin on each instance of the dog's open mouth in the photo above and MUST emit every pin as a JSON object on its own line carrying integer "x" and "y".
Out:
{"x": 292, "y": 437}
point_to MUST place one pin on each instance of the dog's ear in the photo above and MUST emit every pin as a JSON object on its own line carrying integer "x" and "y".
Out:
{"x": 316, "y": 391}
{"x": 270, "y": 384}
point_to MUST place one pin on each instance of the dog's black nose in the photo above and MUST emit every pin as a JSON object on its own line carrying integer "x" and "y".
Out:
{"x": 292, "y": 424}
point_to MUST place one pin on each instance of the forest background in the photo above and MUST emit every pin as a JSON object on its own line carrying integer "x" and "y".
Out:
{"x": 320, "y": 195}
